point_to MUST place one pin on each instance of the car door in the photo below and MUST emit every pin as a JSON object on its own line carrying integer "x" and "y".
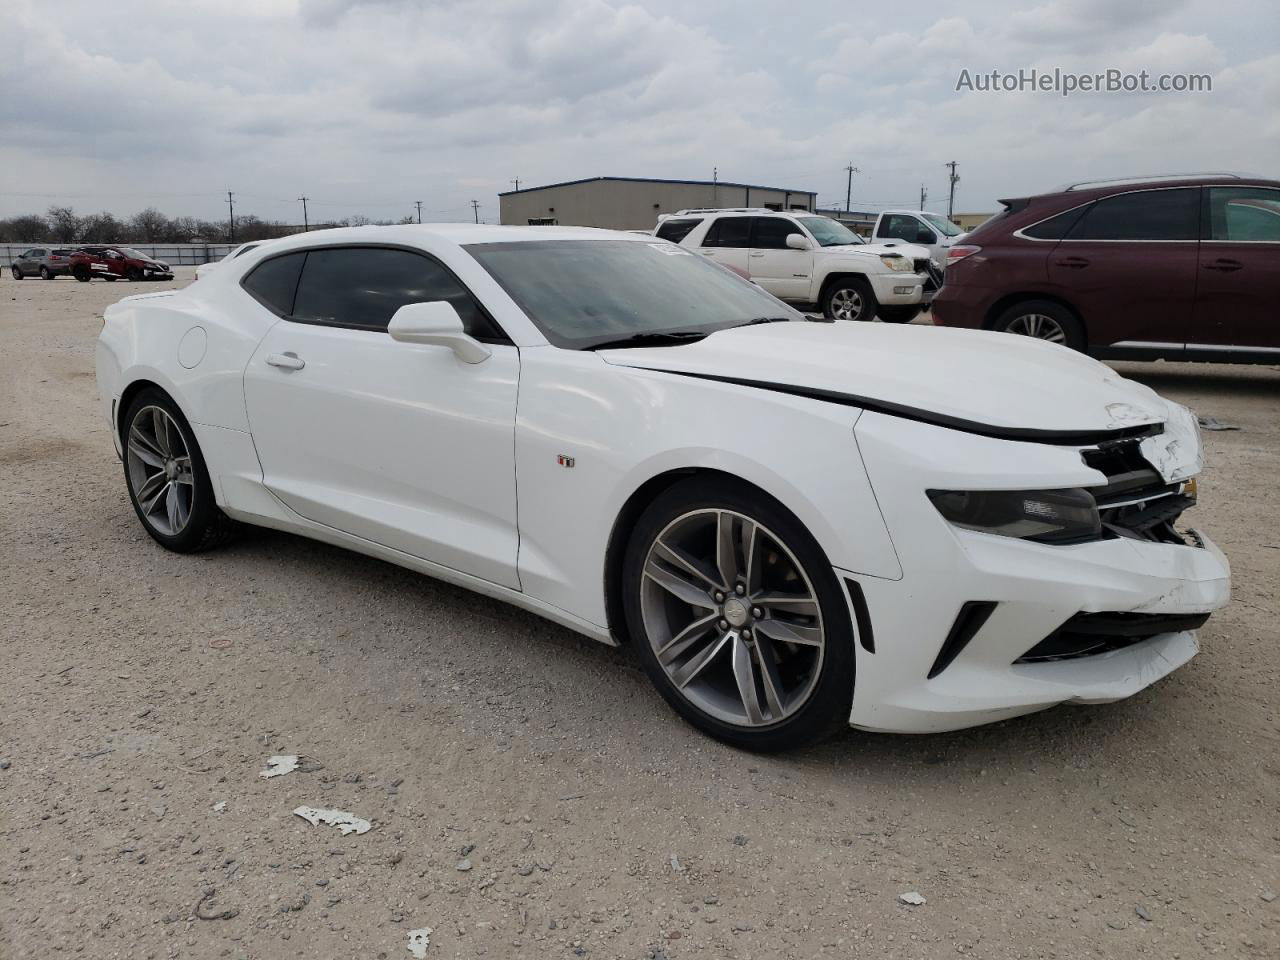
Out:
{"x": 1238, "y": 294}
{"x": 1128, "y": 266}
{"x": 29, "y": 262}
{"x": 401, "y": 444}
{"x": 773, "y": 265}
{"x": 728, "y": 242}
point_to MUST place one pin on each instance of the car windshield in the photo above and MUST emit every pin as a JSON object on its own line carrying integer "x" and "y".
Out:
{"x": 942, "y": 225}
{"x": 830, "y": 233}
{"x": 585, "y": 293}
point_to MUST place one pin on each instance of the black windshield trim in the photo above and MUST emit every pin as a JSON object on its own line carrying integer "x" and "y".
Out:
{"x": 1070, "y": 438}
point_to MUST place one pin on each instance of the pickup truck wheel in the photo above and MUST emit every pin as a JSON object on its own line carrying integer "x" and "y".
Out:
{"x": 1043, "y": 320}
{"x": 902, "y": 314}
{"x": 850, "y": 299}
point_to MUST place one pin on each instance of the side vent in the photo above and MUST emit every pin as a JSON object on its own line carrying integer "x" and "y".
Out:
{"x": 968, "y": 622}
{"x": 862, "y": 618}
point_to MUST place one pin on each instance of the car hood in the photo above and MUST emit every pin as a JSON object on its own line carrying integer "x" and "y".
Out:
{"x": 908, "y": 250}
{"x": 970, "y": 379}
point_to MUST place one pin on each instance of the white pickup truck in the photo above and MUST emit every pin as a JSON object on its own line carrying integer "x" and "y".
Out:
{"x": 919, "y": 228}
{"x": 807, "y": 259}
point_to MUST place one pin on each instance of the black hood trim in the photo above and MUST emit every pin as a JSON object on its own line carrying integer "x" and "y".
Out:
{"x": 1067, "y": 438}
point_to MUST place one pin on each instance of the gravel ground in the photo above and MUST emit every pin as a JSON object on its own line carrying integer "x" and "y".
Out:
{"x": 142, "y": 693}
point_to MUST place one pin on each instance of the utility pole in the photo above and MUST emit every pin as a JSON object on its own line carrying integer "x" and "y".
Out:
{"x": 848, "y": 190}
{"x": 951, "y": 199}
{"x": 475, "y": 208}
{"x": 418, "y": 204}
{"x": 924, "y": 195}
{"x": 516, "y": 181}
{"x": 715, "y": 186}
{"x": 232, "y": 207}
{"x": 306, "y": 223}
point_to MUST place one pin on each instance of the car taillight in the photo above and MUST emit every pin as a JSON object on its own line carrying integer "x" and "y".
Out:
{"x": 961, "y": 251}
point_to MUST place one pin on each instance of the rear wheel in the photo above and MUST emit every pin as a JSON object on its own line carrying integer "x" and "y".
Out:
{"x": 738, "y": 617}
{"x": 1042, "y": 320}
{"x": 901, "y": 314}
{"x": 45, "y": 274}
{"x": 167, "y": 478}
{"x": 850, "y": 299}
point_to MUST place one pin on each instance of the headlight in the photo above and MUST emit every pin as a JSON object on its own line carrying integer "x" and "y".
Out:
{"x": 1046, "y": 516}
{"x": 897, "y": 264}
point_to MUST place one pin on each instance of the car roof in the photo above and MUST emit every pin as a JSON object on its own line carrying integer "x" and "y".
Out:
{"x": 463, "y": 234}
{"x": 1093, "y": 189}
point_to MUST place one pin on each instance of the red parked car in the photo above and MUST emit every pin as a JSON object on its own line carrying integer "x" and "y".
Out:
{"x": 1184, "y": 268}
{"x": 117, "y": 263}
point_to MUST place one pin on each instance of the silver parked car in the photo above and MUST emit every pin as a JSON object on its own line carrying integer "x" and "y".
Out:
{"x": 43, "y": 262}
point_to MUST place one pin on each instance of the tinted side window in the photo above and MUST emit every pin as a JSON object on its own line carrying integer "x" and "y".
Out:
{"x": 676, "y": 230}
{"x": 1055, "y": 228}
{"x": 729, "y": 232}
{"x": 1147, "y": 215}
{"x": 274, "y": 282}
{"x": 1244, "y": 214}
{"x": 363, "y": 287}
{"x": 770, "y": 233}
{"x": 898, "y": 227}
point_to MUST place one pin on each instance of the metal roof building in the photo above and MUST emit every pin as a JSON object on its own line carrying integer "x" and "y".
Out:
{"x": 634, "y": 203}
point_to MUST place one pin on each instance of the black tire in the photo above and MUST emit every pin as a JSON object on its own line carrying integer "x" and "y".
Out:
{"x": 1019, "y": 318}
{"x": 207, "y": 526}
{"x": 17, "y": 274}
{"x": 134, "y": 274}
{"x": 45, "y": 274}
{"x": 81, "y": 274}
{"x": 109, "y": 278}
{"x": 854, "y": 288}
{"x": 830, "y": 698}
{"x": 898, "y": 314}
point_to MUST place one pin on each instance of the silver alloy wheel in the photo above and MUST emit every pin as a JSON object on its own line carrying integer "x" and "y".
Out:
{"x": 1038, "y": 325}
{"x": 159, "y": 468}
{"x": 732, "y": 617}
{"x": 846, "y": 304}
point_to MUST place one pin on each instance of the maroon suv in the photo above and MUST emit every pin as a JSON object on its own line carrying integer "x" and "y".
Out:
{"x": 1183, "y": 268}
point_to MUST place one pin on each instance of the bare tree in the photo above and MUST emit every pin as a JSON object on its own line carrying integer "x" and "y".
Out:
{"x": 64, "y": 223}
{"x": 150, "y": 225}
{"x": 24, "y": 229}
{"x": 101, "y": 228}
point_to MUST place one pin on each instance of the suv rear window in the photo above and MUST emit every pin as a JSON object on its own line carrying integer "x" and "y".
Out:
{"x": 676, "y": 230}
{"x": 729, "y": 232}
{"x": 1055, "y": 228}
{"x": 1142, "y": 215}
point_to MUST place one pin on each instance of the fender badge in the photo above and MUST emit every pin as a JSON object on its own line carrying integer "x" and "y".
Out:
{"x": 565, "y": 461}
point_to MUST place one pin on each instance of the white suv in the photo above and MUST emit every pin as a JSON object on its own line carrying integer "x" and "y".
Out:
{"x": 808, "y": 259}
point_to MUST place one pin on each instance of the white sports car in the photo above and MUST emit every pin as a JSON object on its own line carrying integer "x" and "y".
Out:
{"x": 795, "y": 525}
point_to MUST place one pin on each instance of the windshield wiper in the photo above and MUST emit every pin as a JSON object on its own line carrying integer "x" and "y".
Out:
{"x": 758, "y": 320}
{"x": 670, "y": 338}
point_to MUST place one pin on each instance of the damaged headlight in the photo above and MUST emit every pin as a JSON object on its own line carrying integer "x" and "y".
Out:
{"x": 1046, "y": 516}
{"x": 896, "y": 263}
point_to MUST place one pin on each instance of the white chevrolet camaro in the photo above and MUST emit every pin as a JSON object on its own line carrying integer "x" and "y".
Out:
{"x": 795, "y": 525}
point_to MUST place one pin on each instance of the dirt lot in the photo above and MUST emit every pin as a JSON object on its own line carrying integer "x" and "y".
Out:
{"x": 142, "y": 693}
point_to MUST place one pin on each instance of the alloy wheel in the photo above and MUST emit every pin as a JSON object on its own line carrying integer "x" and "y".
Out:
{"x": 159, "y": 467}
{"x": 846, "y": 304}
{"x": 1038, "y": 325}
{"x": 732, "y": 617}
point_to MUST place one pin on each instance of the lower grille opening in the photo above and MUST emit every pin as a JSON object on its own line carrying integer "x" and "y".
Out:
{"x": 1136, "y": 503}
{"x": 967, "y": 624}
{"x": 1089, "y": 634}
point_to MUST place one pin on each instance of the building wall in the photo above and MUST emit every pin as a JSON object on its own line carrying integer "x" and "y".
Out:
{"x": 970, "y": 221}
{"x": 632, "y": 205}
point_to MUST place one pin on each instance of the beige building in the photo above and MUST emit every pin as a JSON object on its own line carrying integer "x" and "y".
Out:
{"x": 634, "y": 203}
{"x": 970, "y": 221}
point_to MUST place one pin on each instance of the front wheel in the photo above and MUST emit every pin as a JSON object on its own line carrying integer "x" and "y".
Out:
{"x": 850, "y": 299}
{"x": 134, "y": 274}
{"x": 81, "y": 274}
{"x": 17, "y": 274}
{"x": 738, "y": 617}
{"x": 1042, "y": 320}
{"x": 167, "y": 478}
{"x": 898, "y": 314}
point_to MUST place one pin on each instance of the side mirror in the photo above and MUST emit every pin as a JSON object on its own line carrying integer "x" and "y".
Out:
{"x": 797, "y": 242}
{"x": 436, "y": 323}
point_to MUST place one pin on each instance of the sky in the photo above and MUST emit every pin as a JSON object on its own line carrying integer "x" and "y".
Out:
{"x": 366, "y": 106}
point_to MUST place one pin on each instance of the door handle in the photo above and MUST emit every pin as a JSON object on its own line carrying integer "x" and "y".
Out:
{"x": 1225, "y": 265}
{"x": 755, "y": 253}
{"x": 1075, "y": 263}
{"x": 286, "y": 361}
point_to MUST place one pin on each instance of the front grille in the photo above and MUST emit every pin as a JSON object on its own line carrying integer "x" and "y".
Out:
{"x": 1089, "y": 634}
{"x": 1136, "y": 502}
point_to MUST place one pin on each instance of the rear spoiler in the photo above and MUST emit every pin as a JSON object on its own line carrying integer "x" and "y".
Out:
{"x": 1015, "y": 206}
